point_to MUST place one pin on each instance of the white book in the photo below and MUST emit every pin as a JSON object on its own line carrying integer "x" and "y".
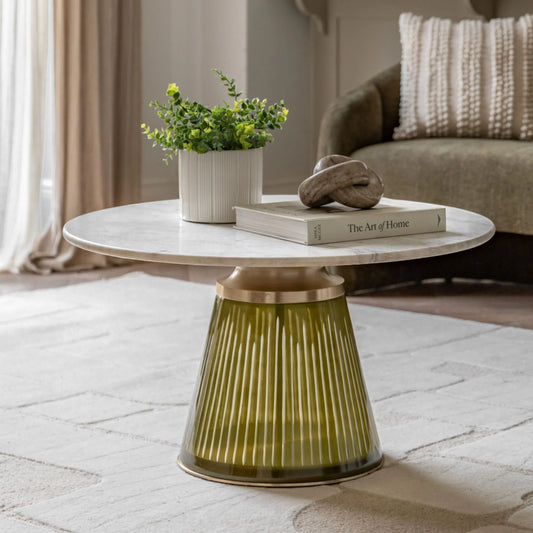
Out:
{"x": 295, "y": 222}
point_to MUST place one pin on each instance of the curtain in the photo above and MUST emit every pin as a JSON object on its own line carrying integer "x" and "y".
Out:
{"x": 97, "y": 97}
{"x": 27, "y": 144}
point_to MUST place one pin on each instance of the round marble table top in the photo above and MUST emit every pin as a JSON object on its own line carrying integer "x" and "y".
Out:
{"x": 154, "y": 231}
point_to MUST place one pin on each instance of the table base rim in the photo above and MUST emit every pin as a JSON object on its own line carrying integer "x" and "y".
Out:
{"x": 283, "y": 484}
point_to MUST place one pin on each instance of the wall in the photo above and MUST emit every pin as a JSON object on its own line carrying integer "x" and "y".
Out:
{"x": 512, "y": 8}
{"x": 168, "y": 26}
{"x": 280, "y": 67}
{"x": 220, "y": 43}
{"x": 263, "y": 44}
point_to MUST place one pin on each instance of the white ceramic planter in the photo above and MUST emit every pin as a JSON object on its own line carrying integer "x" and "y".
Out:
{"x": 211, "y": 184}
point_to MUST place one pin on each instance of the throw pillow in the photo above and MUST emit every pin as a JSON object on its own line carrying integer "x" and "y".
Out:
{"x": 466, "y": 79}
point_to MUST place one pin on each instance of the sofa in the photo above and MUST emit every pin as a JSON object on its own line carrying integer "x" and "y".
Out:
{"x": 493, "y": 177}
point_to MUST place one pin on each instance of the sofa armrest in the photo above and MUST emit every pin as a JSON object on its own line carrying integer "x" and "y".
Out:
{"x": 366, "y": 115}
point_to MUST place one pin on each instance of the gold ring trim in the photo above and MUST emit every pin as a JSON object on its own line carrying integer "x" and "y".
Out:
{"x": 282, "y": 285}
{"x": 279, "y": 297}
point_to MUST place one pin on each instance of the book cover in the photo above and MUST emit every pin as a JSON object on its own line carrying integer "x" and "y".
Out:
{"x": 336, "y": 223}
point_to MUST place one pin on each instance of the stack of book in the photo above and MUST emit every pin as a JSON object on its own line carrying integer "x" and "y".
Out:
{"x": 295, "y": 222}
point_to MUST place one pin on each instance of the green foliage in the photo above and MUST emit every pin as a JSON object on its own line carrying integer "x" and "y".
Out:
{"x": 241, "y": 125}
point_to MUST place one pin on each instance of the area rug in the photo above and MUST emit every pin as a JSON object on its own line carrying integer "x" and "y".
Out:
{"x": 95, "y": 382}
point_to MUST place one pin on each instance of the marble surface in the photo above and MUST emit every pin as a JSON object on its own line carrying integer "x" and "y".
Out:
{"x": 154, "y": 231}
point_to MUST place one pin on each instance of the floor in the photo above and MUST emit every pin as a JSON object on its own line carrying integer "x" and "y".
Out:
{"x": 505, "y": 304}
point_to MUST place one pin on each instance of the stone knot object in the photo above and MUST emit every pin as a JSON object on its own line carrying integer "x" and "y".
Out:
{"x": 337, "y": 178}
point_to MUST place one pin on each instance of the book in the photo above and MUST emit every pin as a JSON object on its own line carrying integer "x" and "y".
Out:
{"x": 295, "y": 222}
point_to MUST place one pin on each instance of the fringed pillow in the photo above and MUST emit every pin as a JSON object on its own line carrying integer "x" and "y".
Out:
{"x": 466, "y": 79}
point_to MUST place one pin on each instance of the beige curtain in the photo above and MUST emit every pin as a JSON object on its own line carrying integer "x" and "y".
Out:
{"x": 98, "y": 99}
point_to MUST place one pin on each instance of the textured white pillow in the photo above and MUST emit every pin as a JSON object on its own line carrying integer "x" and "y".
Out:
{"x": 466, "y": 79}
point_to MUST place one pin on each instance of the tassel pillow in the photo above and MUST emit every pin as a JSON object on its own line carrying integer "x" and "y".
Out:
{"x": 466, "y": 79}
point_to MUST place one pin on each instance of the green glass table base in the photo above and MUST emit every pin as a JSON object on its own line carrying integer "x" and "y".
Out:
{"x": 280, "y": 400}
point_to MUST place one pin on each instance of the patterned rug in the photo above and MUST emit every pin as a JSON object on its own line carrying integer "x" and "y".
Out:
{"x": 95, "y": 382}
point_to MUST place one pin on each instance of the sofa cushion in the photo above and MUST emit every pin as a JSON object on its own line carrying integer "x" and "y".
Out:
{"x": 488, "y": 176}
{"x": 466, "y": 79}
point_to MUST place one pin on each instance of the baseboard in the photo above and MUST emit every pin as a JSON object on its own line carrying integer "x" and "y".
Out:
{"x": 281, "y": 186}
{"x": 159, "y": 188}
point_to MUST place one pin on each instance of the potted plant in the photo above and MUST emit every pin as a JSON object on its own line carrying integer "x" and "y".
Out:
{"x": 220, "y": 149}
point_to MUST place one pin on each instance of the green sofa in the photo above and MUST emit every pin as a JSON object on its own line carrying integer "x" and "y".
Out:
{"x": 489, "y": 176}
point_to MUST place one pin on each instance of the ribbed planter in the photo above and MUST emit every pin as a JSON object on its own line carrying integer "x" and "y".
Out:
{"x": 211, "y": 184}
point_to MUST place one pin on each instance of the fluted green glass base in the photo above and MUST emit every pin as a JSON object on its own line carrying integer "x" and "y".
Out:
{"x": 280, "y": 398}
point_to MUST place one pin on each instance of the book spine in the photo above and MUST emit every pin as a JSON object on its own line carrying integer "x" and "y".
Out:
{"x": 372, "y": 226}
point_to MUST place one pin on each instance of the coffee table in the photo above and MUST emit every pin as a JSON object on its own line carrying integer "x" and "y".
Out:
{"x": 280, "y": 398}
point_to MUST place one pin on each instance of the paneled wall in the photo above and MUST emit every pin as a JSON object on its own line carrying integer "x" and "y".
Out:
{"x": 280, "y": 66}
{"x": 264, "y": 44}
{"x": 168, "y": 30}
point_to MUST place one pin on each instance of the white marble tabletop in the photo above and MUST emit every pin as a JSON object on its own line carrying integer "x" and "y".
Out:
{"x": 154, "y": 231}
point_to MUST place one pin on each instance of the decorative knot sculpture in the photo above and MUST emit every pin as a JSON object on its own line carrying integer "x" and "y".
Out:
{"x": 337, "y": 178}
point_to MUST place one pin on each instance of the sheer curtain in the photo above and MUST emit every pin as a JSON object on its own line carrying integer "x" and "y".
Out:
{"x": 70, "y": 97}
{"x": 28, "y": 206}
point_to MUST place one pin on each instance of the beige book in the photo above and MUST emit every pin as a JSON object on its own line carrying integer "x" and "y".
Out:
{"x": 295, "y": 222}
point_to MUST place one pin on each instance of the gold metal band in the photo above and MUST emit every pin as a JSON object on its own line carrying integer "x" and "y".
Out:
{"x": 283, "y": 285}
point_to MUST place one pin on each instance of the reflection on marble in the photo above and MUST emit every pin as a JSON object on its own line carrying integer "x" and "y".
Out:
{"x": 154, "y": 231}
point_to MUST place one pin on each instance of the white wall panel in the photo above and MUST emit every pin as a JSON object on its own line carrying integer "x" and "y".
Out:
{"x": 264, "y": 44}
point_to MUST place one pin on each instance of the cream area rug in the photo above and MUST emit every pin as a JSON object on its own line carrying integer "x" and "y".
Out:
{"x": 95, "y": 382}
